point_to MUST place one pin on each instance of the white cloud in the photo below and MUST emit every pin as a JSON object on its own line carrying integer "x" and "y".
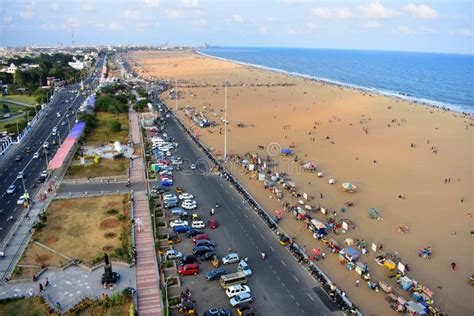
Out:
{"x": 237, "y": 18}
{"x": 151, "y": 3}
{"x": 141, "y": 26}
{"x": 190, "y": 3}
{"x": 371, "y": 25}
{"x": 174, "y": 14}
{"x": 403, "y": 29}
{"x": 337, "y": 13}
{"x": 115, "y": 26}
{"x": 377, "y": 11}
{"x": 466, "y": 32}
{"x": 7, "y": 20}
{"x": 290, "y": 30}
{"x": 100, "y": 25}
{"x": 202, "y": 22}
{"x": 297, "y": 2}
{"x": 425, "y": 29}
{"x": 88, "y": 6}
{"x": 130, "y": 14}
{"x": 73, "y": 22}
{"x": 272, "y": 19}
{"x": 322, "y": 12}
{"x": 262, "y": 30}
{"x": 421, "y": 11}
{"x": 55, "y": 7}
{"x": 49, "y": 26}
{"x": 28, "y": 11}
{"x": 310, "y": 27}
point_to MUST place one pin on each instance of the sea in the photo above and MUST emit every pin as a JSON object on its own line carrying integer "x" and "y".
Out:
{"x": 442, "y": 80}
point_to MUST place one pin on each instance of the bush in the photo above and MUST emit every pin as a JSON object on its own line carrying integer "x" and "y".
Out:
{"x": 115, "y": 126}
{"x": 173, "y": 301}
{"x": 121, "y": 217}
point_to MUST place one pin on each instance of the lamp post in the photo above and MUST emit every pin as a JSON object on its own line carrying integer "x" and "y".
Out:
{"x": 176, "y": 95}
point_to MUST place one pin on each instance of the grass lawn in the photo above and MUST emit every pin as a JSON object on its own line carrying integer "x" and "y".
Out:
{"x": 21, "y": 98}
{"x": 27, "y": 306}
{"x": 85, "y": 228}
{"x": 3, "y": 123}
{"x": 14, "y": 109}
{"x": 102, "y": 132}
{"x": 105, "y": 168}
{"x": 40, "y": 257}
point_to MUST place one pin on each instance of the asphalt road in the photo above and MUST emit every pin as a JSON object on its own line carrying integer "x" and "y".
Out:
{"x": 31, "y": 167}
{"x": 279, "y": 284}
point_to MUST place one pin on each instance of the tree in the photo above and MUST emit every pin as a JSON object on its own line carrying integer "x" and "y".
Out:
{"x": 89, "y": 119}
{"x": 18, "y": 77}
{"x": 115, "y": 126}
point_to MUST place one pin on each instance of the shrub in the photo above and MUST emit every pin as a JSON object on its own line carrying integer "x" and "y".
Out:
{"x": 115, "y": 126}
{"x": 121, "y": 217}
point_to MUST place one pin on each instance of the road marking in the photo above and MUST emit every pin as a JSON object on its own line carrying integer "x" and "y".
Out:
{"x": 294, "y": 277}
{"x": 254, "y": 226}
{"x": 283, "y": 263}
{"x": 297, "y": 304}
{"x": 272, "y": 249}
{"x": 246, "y": 216}
{"x": 263, "y": 236}
{"x": 292, "y": 297}
{"x": 303, "y": 312}
{"x": 310, "y": 297}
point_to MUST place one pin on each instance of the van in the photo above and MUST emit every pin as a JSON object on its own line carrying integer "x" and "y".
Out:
{"x": 233, "y": 290}
{"x": 244, "y": 267}
{"x": 198, "y": 224}
{"x": 178, "y": 211}
{"x": 233, "y": 279}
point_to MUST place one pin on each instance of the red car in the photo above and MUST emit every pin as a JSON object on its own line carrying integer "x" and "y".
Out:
{"x": 200, "y": 237}
{"x": 188, "y": 269}
{"x": 212, "y": 224}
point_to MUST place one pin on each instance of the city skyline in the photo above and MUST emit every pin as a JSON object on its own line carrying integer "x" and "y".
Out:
{"x": 429, "y": 26}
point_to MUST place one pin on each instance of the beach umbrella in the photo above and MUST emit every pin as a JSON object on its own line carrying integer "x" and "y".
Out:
{"x": 287, "y": 151}
{"x": 373, "y": 213}
{"x": 349, "y": 241}
{"x": 349, "y": 187}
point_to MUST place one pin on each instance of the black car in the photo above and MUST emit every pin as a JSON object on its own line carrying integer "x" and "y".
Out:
{"x": 207, "y": 256}
{"x": 205, "y": 242}
{"x": 215, "y": 274}
{"x": 194, "y": 233}
{"x": 187, "y": 260}
{"x": 200, "y": 250}
{"x": 216, "y": 312}
{"x": 40, "y": 179}
{"x": 18, "y": 158}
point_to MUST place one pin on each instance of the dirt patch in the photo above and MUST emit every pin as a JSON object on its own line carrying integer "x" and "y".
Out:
{"x": 42, "y": 259}
{"x": 113, "y": 204}
{"x": 112, "y": 211}
{"x": 109, "y": 223}
{"x": 51, "y": 240}
{"x": 110, "y": 235}
{"x": 108, "y": 248}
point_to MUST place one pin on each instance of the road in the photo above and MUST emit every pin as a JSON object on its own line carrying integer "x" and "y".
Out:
{"x": 42, "y": 132}
{"x": 280, "y": 285}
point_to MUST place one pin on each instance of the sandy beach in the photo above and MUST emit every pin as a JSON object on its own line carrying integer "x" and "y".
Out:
{"x": 412, "y": 162}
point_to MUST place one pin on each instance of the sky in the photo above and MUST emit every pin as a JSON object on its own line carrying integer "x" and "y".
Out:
{"x": 429, "y": 26}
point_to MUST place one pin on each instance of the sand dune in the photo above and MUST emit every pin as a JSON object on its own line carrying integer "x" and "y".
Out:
{"x": 383, "y": 145}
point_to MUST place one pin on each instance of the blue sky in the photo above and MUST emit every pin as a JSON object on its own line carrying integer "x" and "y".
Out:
{"x": 430, "y": 25}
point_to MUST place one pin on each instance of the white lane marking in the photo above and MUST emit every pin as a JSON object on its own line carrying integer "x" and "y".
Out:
{"x": 254, "y": 226}
{"x": 294, "y": 277}
{"x": 310, "y": 297}
{"x": 283, "y": 263}
{"x": 8, "y": 202}
{"x": 263, "y": 237}
{"x": 292, "y": 297}
{"x": 272, "y": 249}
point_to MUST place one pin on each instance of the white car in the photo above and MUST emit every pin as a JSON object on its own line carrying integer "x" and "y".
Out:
{"x": 20, "y": 175}
{"x": 198, "y": 224}
{"x": 44, "y": 174}
{"x": 178, "y": 222}
{"x": 233, "y": 290}
{"x": 230, "y": 258}
{"x": 193, "y": 167}
{"x": 63, "y": 123}
{"x": 245, "y": 268}
{"x": 173, "y": 254}
{"x": 189, "y": 204}
{"x": 11, "y": 189}
{"x": 186, "y": 196}
{"x": 244, "y": 297}
{"x": 21, "y": 200}
{"x": 46, "y": 145}
{"x": 36, "y": 155}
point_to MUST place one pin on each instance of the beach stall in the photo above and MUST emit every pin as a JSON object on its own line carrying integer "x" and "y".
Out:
{"x": 349, "y": 187}
{"x": 333, "y": 245}
{"x": 287, "y": 152}
{"x": 309, "y": 166}
{"x": 318, "y": 227}
{"x": 414, "y": 308}
{"x": 350, "y": 254}
{"x": 373, "y": 213}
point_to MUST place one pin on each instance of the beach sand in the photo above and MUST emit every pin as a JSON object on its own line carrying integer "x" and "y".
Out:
{"x": 369, "y": 143}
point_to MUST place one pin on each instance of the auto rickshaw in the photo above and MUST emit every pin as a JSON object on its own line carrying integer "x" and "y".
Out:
{"x": 173, "y": 239}
{"x": 179, "y": 190}
{"x": 187, "y": 307}
{"x": 194, "y": 217}
{"x": 284, "y": 240}
{"x": 215, "y": 261}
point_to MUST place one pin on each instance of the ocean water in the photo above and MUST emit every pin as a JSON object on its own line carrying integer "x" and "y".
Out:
{"x": 438, "y": 79}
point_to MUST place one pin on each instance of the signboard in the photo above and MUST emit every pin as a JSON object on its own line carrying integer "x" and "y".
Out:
{"x": 345, "y": 226}
{"x": 401, "y": 267}
{"x": 305, "y": 196}
{"x": 374, "y": 247}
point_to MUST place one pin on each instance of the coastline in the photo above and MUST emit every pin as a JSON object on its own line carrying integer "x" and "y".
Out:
{"x": 397, "y": 96}
{"x": 432, "y": 209}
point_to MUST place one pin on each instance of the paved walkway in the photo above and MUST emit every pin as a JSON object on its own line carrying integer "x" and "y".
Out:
{"x": 149, "y": 294}
{"x": 70, "y": 286}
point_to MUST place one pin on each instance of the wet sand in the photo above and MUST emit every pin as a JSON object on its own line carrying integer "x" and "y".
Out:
{"x": 382, "y": 145}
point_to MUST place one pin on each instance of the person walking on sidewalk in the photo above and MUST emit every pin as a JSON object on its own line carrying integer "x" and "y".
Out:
{"x": 41, "y": 288}
{"x": 357, "y": 282}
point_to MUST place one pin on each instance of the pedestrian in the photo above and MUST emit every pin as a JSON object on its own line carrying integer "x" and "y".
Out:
{"x": 407, "y": 268}
{"x": 357, "y": 282}
{"x": 321, "y": 195}
{"x": 453, "y": 266}
{"x": 41, "y": 288}
{"x": 46, "y": 284}
{"x": 188, "y": 293}
{"x": 381, "y": 247}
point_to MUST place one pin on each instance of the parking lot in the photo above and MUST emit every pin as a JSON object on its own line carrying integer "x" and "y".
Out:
{"x": 278, "y": 285}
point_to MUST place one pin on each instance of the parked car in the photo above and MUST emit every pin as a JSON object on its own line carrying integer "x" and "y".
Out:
{"x": 40, "y": 179}
{"x": 205, "y": 242}
{"x": 230, "y": 258}
{"x": 187, "y": 259}
{"x": 244, "y": 267}
{"x": 178, "y": 211}
{"x": 188, "y": 269}
{"x": 201, "y": 250}
{"x": 11, "y": 189}
{"x": 215, "y": 274}
{"x": 217, "y": 311}
{"x": 173, "y": 254}
{"x": 181, "y": 229}
{"x": 212, "y": 224}
{"x": 21, "y": 200}
{"x": 245, "y": 309}
{"x": 178, "y": 222}
{"x": 194, "y": 233}
{"x": 207, "y": 256}
{"x": 18, "y": 158}
{"x": 198, "y": 224}
{"x": 244, "y": 297}
{"x": 173, "y": 239}
{"x": 233, "y": 290}
{"x": 186, "y": 196}
{"x": 36, "y": 155}
{"x": 189, "y": 204}
{"x": 200, "y": 236}
{"x": 20, "y": 175}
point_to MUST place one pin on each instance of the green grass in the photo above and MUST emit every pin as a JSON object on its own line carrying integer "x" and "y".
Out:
{"x": 102, "y": 132}
{"x": 21, "y": 98}
{"x": 14, "y": 109}
{"x": 6, "y": 122}
{"x": 28, "y": 306}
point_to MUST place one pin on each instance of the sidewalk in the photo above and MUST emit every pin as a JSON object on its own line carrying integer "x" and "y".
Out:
{"x": 136, "y": 171}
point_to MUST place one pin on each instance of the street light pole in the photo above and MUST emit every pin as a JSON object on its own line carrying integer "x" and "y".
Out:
{"x": 176, "y": 95}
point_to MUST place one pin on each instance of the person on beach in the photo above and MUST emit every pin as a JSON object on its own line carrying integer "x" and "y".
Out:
{"x": 357, "y": 282}
{"x": 453, "y": 266}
